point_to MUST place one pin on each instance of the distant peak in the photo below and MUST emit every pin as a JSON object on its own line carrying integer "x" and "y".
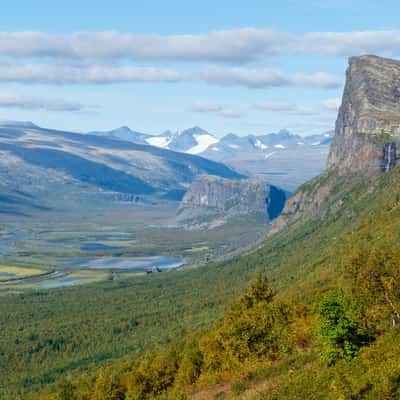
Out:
{"x": 230, "y": 136}
{"x": 168, "y": 133}
{"x": 196, "y": 130}
{"x": 122, "y": 129}
{"x": 285, "y": 132}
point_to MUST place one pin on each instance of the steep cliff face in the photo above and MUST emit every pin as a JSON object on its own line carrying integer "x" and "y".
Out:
{"x": 366, "y": 144}
{"x": 218, "y": 197}
{"x": 368, "y": 123}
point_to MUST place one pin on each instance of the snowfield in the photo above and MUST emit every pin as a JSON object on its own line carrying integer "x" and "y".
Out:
{"x": 203, "y": 143}
{"x": 159, "y": 141}
{"x": 260, "y": 145}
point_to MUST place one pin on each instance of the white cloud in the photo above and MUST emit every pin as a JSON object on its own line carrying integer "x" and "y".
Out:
{"x": 216, "y": 46}
{"x": 350, "y": 43}
{"x": 59, "y": 74}
{"x": 331, "y": 104}
{"x": 14, "y": 100}
{"x": 318, "y": 79}
{"x": 261, "y": 78}
{"x": 56, "y": 74}
{"x": 205, "y": 107}
{"x": 236, "y": 45}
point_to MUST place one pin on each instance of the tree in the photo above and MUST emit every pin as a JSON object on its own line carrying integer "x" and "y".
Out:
{"x": 373, "y": 275}
{"x": 154, "y": 375}
{"x": 255, "y": 326}
{"x": 341, "y": 334}
{"x": 107, "y": 387}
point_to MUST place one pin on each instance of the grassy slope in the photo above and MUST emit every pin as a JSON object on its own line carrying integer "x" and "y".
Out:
{"x": 370, "y": 214}
{"x": 72, "y": 329}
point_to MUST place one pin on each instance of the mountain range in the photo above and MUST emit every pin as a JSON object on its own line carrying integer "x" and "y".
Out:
{"x": 38, "y": 165}
{"x": 198, "y": 141}
{"x": 284, "y": 159}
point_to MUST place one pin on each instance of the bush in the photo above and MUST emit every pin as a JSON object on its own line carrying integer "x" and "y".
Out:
{"x": 341, "y": 334}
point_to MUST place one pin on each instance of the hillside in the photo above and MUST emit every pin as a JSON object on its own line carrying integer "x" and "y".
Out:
{"x": 55, "y": 167}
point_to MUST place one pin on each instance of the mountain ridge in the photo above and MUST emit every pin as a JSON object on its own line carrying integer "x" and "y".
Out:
{"x": 36, "y": 160}
{"x": 185, "y": 140}
{"x": 283, "y": 159}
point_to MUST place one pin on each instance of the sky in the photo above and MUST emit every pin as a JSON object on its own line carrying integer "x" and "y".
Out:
{"x": 251, "y": 67}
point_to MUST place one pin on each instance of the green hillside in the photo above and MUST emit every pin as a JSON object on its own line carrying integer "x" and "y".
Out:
{"x": 316, "y": 270}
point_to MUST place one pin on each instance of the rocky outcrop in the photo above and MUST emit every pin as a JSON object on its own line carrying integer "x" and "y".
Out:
{"x": 366, "y": 143}
{"x": 307, "y": 203}
{"x": 368, "y": 123}
{"x": 214, "y": 197}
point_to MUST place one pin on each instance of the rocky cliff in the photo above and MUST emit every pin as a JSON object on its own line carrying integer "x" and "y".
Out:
{"x": 366, "y": 143}
{"x": 214, "y": 197}
{"x": 368, "y": 123}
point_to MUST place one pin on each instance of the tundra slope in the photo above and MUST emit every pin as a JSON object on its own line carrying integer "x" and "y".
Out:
{"x": 49, "y": 165}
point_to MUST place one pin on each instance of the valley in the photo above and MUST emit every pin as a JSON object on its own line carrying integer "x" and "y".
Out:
{"x": 99, "y": 245}
{"x": 319, "y": 318}
{"x": 199, "y": 201}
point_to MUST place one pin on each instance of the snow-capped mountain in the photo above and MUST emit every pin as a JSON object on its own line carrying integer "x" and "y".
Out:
{"x": 283, "y": 158}
{"x": 232, "y": 145}
{"x": 198, "y": 141}
{"x": 192, "y": 141}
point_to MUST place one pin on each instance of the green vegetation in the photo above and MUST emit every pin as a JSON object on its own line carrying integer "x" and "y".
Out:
{"x": 341, "y": 335}
{"x": 380, "y": 136}
{"x": 324, "y": 326}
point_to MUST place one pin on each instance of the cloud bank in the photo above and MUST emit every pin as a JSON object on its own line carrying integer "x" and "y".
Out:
{"x": 236, "y": 45}
{"x": 60, "y": 74}
{"x": 14, "y": 100}
{"x": 55, "y": 74}
{"x": 216, "y": 46}
{"x": 261, "y": 78}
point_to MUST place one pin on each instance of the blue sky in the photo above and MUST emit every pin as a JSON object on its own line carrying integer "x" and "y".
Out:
{"x": 250, "y": 67}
